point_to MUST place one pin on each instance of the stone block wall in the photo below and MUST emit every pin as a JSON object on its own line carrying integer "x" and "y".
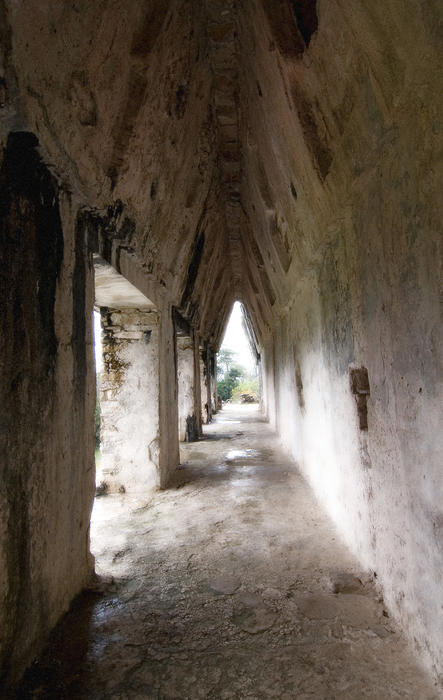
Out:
{"x": 129, "y": 391}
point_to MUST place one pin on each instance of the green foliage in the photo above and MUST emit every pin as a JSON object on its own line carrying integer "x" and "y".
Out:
{"x": 249, "y": 385}
{"x": 224, "y": 389}
{"x": 226, "y": 385}
{"x": 229, "y": 374}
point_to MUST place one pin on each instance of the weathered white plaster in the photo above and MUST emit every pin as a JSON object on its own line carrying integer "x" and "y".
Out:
{"x": 113, "y": 289}
{"x": 129, "y": 387}
{"x": 380, "y": 485}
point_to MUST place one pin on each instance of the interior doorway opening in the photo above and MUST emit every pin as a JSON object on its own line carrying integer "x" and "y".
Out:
{"x": 238, "y": 360}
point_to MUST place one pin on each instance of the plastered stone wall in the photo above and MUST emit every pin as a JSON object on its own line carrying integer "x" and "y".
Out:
{"x": 48, "y": 395}
{"x": 345, "y": 196}
{"x": 129, "y": 400}
{"x": 382, "y": 485}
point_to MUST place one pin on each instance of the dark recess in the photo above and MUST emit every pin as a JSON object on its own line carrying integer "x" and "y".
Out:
{"x": 293, "y": 22}
{"x": 305, "y": 12}
{"x": 182, "y": 327}
{"x": 102, "y": 232}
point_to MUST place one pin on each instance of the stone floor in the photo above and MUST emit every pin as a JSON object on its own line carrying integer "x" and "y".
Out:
{"x": 231, "y": 584}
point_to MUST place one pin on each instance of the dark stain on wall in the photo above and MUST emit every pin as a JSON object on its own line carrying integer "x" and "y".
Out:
{"x": 31, "y": 254}
{"x": 299, "y": 384}
{"x": 31, "y": 234}
{"x": 338, "y": 339}
{"x": 143, "y": 42}
{"x": 193, "y": 267}
{"x": 278, "y": 241}
{"x": 147, "y": 33}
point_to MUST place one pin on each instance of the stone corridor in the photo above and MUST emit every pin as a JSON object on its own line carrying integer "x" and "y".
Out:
{"x": 230, "y": 584}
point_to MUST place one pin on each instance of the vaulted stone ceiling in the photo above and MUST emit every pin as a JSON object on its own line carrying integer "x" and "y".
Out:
{"x": 211, "y": 140}
{"x": 154, "y": 118}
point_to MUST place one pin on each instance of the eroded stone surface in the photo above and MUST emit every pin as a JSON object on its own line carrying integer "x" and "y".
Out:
{"x": 225, "y": 584}
{"x": 160, "y": 631}
{"x": 346, "y": 583}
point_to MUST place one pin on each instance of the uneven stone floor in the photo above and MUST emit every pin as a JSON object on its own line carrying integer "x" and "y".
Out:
{"x": 231, "y": 584}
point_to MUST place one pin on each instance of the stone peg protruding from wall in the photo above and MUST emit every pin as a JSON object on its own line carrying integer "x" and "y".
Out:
{"x": 360, "y": 388}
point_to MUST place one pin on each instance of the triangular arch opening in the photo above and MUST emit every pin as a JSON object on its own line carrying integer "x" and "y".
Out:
{"x": 238, "y": 359}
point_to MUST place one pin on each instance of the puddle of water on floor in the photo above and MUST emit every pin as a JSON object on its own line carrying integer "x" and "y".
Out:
{"x": 218, "y": 468}
{"x": 241, "y": 482}
{"x": 236, "y": 454}
{"x": 105, "y": 610}
{"x": 241, "y": 454}
{"x": 243, "y": 469}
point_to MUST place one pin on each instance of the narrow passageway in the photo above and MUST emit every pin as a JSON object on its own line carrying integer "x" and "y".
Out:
{"x": 230, "y": 584}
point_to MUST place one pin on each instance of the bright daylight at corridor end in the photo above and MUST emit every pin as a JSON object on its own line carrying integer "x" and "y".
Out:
{"x": 221, "y": 350}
